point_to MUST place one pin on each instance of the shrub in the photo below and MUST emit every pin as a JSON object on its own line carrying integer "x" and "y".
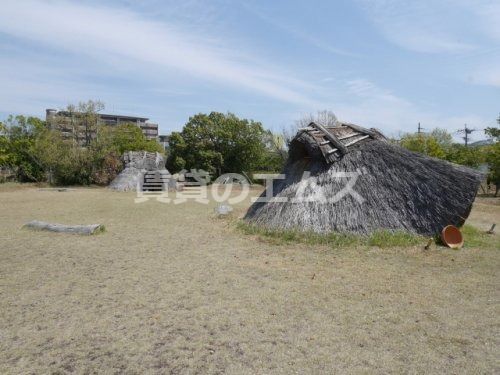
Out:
{"x": 108, "y": 169}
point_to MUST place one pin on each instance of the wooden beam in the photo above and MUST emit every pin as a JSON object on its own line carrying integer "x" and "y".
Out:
{"x": 361, "y": 129}
{"x": 357, "y": 140}
{"x": 332, "y": 138}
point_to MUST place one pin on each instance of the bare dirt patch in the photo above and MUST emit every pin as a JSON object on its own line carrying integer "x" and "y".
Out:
{"x": 172, "y": 289}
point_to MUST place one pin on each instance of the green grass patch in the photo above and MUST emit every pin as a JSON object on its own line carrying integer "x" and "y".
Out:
{"x": 382, "y": 238}
{"x": 101, "y": 229}
{"x": 475, "y": 238}
{"x": 385, "y": 238}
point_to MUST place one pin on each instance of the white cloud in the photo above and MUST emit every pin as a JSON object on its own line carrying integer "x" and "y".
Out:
{"x": 113, "y": 34}
{"x": 368, "y": 90}
{"x": 428, "y": 41}
{"x": 421, "y": 26}
{"x": 126, "y": 45}
{"x": 29, "y": 88}
{"x": 380, "y": 108}
{"x": 299, "y": 33}
{"x": 468, "y": 29}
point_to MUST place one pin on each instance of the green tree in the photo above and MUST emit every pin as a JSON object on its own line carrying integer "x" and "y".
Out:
{"x": 493, "y": 132}
{"x": 218, "y": 143}
{"x": 123, "y": 137}
{"x": 492, "y": 156}
{"x": 90, "y": 151}
{"x": 442, "y": 137}
{"x": 276, "y": 152}
{"x": 3, "y": 145}
{"x": 80, "y": 121}
{"x": 35, "y": 151}
{"x": 423, "y": 143}
{"x": 110, "y": 143}
{"x": 439, "y": 144}
{"x": 19, "y": 135}
{"x": 89, "y": 118}
{"x": 177, "y": 149}
{"x": 62, "y": 162}
{"x": 49, "y": 150}
{"x": 468, "y": 156}
{"x": 493, "y": 160}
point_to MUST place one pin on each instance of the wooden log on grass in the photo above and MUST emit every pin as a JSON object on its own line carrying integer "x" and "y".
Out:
{"x": 61, "y": 228}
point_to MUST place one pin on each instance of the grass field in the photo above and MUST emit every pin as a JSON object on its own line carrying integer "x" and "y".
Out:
{"x": 174, "y": 289}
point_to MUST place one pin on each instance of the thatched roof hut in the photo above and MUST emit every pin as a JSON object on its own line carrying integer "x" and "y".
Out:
{"x": 141, "y": 166}
{"x": 392, "y": 188}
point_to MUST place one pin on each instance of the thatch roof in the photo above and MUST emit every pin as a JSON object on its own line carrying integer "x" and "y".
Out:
{"x": 396, "y": 189}
{"x": 140, "y": 165}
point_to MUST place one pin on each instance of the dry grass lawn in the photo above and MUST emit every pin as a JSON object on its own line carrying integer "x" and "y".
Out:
{"x": 173, "y": 289}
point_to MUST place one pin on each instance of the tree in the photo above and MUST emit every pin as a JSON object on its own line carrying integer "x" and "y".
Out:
{"x": 19, "y": 134}
{"x": 80, "y": 121}
{"x": 218, "y": 143}
{"x": 36, "y": 151}
{"x": 49, "y": 149}
{"x": 423, "y": 143}
{"x": 3, "y": 145}
{"x": 492, "y": 156}
{"x": 89, "y": 118}
{"x": 111, "y": 142}
{"x": 442, "y": 137}
{"x": 463, "y": 155}
{"x": 123, "y": 137}
{"x": 324, "y": 117}
{"x": 177, "y": 149}
{"x": 276, "y": 152}
{"x": 107, "y": 169}
{"x": 62, "y": 162}
{"x": 493, "y": 132}
{"x": 493, "y": 160}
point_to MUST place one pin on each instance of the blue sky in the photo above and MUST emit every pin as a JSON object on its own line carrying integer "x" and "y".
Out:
{"x": 386, "y": 64}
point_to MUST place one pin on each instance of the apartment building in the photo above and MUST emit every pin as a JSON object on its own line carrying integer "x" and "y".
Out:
{"x": 66, "y": 123}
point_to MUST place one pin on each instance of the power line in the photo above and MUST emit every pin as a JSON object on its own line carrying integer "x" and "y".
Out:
{"x": 467, "y": 131}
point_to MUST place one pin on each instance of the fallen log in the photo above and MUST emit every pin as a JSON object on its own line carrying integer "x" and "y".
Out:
{"x": 61, "y": 228}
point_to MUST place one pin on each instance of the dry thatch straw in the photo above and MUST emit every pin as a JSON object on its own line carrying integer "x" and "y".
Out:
{"x": 402, "y": 190}
{"x": 141, "y": 165}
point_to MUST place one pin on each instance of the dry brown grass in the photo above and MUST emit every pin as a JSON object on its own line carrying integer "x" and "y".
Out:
{"x": 172, "y": 289}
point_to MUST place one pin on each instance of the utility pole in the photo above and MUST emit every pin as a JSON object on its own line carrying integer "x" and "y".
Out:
{"x": 466, "y": 132}
{"x": 420, "y": 133}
